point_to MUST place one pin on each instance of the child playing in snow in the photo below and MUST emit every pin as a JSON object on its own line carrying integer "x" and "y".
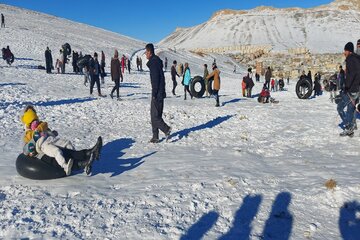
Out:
{"x": 39, "y": 140}
{"x": 264, "y": 95}
{"x": 272, "y": 85}
{"x": 243, "y": 87}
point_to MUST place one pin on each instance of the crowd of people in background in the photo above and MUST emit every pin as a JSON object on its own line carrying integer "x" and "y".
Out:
{"x": 343, "y": 86}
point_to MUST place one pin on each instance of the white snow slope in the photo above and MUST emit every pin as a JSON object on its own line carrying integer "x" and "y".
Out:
{"x": 323, "y": 29}
{"x": 242, "y": 171}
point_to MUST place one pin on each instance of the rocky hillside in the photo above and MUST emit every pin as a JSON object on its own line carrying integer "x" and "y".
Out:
{"x": 321, "y": 29}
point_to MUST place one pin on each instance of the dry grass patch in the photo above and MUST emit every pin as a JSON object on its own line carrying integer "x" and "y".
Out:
{"x": 330, "y": 184}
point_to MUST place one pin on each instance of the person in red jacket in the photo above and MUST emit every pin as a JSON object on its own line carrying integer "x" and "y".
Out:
{"x": 272, "y": 85}
{"x": 123, "y": 65}
{"x": 264, "y": 95}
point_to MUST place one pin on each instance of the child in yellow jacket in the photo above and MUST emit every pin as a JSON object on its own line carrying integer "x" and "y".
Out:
{"x": 39, "y": 138}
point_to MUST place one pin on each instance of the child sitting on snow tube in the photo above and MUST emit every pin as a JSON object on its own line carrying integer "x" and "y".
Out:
{"x": 45, "y": 141}
{"x": 40, "y": 140}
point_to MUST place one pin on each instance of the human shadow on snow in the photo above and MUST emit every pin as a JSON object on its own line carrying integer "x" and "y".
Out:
{"x": 241, "y": 228}
{"x": 26, "y": 59}
{"x": 278, "y": 225}
{"x": 27, "y": 66}
{"x": 63, "y": 102}
{"x": 130, "y": 85}
{"x": 4, "y": 105}
{"x": 210, "y": 124}
{"x": 235, "y": 100}
{"x": 204, "y": 224}
{"x": 11, "y": 84}
{"x": 349, "y": 221}
{"x": 111, "y": 158}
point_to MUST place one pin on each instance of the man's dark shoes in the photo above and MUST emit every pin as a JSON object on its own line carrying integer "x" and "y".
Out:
{"x": 154, "y": 140}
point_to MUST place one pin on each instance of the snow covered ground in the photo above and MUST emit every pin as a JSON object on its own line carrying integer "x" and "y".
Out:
{"x": 242, "y": 171}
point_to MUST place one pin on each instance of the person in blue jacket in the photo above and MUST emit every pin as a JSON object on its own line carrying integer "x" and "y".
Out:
{"x": 187, "y": 80}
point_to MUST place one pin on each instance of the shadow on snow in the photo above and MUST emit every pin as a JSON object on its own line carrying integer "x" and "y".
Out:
{"x": 26, "y": 59}
{"x": 11, "y": 84}
{"x": 233, "y": 101}
{"x": 111, "y": 161}
{"x": 130, "y": 85}
{"x": 278, "y": 225}
{"x": 4, "y": 105}
{"x": 349, "y": 221}
{"x": 210, "y": 124}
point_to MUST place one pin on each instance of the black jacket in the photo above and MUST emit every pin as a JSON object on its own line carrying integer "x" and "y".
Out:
{"x": 48, "y": 58}
{"x": 157, "y": 78}
{"x": 174, "y": 73}
{"x": 352, "y": 79}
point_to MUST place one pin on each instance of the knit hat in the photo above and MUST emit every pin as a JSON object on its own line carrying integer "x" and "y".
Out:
{"x": 29, "y": 116}
{"x": 34, "y": 124}
{"x": 349, "y": 47}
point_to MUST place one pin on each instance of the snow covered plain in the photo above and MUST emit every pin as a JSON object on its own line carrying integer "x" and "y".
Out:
{"x": 242, "y": 171}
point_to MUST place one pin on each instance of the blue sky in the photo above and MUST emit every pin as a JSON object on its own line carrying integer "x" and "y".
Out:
{"x": 147, "y": 20}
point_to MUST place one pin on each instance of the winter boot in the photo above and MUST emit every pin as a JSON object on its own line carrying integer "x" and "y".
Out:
{"x": 347, "y": 132}
{"x": 154, "y": 140}
{"x": 94, "y": 154}
{"x": 68, "y": 167}
{"x": 167, "y": 134}
{"x": 97, "y": 148}
{"x": 88, "y": 166}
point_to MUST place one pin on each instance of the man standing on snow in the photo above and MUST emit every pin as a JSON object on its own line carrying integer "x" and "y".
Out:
{"x": 48, "y": 60}
{"x": 173, "y": 76}
{"x": 2, "y": 21}
{"x": 268, "y": 77}
{"x": 166, "y": 63}
{"x": 116, "y": 75}
{"x": 351, "y": 89}
{"x": 129, "y": 65}
{"x": 158, "y": 94}
{"x": 102, "y": 69}
{"x": 95, "y": 74}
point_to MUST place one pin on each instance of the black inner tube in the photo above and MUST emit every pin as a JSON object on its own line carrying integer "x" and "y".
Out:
{"x": 304, "y": 88}
{"x": 195, "y": 91}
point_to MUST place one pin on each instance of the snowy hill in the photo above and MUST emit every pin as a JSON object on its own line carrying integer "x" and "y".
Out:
{"x": 242, "y": 171}
{"x": 33, "y": 32}
{"x": 322, "y": 29}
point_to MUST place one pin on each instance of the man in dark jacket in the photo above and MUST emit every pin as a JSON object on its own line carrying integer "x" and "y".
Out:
{"x": 8, "y": 56}
{"x": 351, "y": 89}
{"x": 48, "y": 60}
{"x": 341, "y": 79}
{"x": 173, "y": 76}
{"x": 2, "y": 21}
{"x": 95, "y": 74}
{"x": 116, "y": 75}
{"x": 75, "y": 58}
{"x": 158, "y": 94}
{"x": 268, "y": 76}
